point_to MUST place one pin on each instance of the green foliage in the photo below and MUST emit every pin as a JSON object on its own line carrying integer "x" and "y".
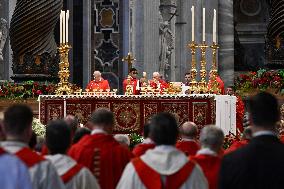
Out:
{"x": 135, "y": 139}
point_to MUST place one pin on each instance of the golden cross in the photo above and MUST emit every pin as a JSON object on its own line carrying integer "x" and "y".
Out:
{"x": 129, "y": 60}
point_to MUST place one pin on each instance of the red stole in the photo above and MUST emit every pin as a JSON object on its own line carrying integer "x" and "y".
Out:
{"x": 133, "y": 82}
{"x": 152, "y": 180}
{"x": 98, "y": 85}
{"x": 104, "y": 156}
{"x": 210, "y": 166}
{"x": 2, "y": 151}
{"x": 236, "y": 145}
{"x": 66, "y": 177}
{"x": 140, "y": 149}
{"x": 29, "y": 157}
{"x": 188, "y": 147}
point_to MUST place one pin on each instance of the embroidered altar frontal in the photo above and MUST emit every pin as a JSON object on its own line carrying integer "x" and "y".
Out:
{"x": 131, "y": 112}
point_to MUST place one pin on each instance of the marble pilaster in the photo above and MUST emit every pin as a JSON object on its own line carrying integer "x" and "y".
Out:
{"x": 226, "y": 41}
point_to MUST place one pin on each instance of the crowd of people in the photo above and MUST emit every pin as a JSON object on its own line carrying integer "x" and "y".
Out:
{"x": 170, "y": 156}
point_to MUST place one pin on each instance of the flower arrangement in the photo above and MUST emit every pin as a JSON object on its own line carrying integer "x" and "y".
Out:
{"x": 135, "y": 139}
{"x": 262, "y": 80}
{"x": 29, "y": 89}
{"x": 38, "y": 128}
{"x": 229, "y": 140}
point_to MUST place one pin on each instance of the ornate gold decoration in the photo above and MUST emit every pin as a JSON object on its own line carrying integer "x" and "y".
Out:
{"x": 129, "y": 59}
{"x": 193, "y": 71}
{"x": 202, "y": 85}
{"x": 214, "y": 70}
{"x": 64, "y": 87}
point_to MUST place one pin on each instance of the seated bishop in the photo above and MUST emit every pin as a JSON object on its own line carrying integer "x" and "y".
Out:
{"x": 131, "y": 84}
{"x": 157, "y": 82}
{"x": 98, "y": 83}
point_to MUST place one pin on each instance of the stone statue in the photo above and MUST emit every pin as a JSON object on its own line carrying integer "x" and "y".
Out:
{"x": 3, "y": 35}
{"x": 166, "y": 44}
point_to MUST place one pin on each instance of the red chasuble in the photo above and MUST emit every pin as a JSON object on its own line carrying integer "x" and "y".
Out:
{"x": 133, "y": 82}
{"x": 98, "y": 85}
{"x": 210, "y": 166}
{"x": 188, "y": 147}
{"x": 163, "y": 84}
{"x": 236, "y": 145}
{"x": 104, "y": 156}
{"x": 66, "y": 177}
{"x": 140, "y": 149}
{"x": 29, "y": 157}
{"x": 152, "y": 179}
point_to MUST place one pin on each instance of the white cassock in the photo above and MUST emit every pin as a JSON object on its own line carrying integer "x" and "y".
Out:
{"x": 14, "y": 173}
{"x": 83, "y": 179}
{"x": 165, "y": 160}
{"x": 43, "y": 174}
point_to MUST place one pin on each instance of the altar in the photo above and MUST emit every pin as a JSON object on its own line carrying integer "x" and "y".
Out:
{"x": 131, "y": 112}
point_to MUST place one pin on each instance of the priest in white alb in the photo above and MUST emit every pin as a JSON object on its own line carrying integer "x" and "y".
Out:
{"x": 164, "y": 166}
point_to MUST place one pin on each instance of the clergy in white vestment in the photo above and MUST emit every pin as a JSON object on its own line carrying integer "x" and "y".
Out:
{"x": 18, "y": 127}
{"x": 164, "y": 166}
{"x": 58, "y": 141}
{"x": 14, "y": 174}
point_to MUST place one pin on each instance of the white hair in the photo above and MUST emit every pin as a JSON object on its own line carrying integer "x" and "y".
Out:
{"x": 122, "y": 139}
{"x": 156, "y": 74}
{"x": 212, "y": 137}
{"x": 97, "y": 73}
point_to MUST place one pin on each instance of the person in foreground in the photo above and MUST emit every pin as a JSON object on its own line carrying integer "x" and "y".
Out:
{"x": 14, "y": 174}
{"x": 100, "y": 152}
{"x": 18, "y": 126}
{"x": 164, "y": 166}
{"x": 211, "y": 139}
{"x": 188, "y": 143}
{"x": 58, "y": 140}
{"x": 260, "y": 164}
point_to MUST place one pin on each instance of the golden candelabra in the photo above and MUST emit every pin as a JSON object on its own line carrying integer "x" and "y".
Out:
{"x": 64, "y": 87}
{"x": 214, "y": 71}
{"x": 202, "y": 85}
{"x": 193, "y": 71}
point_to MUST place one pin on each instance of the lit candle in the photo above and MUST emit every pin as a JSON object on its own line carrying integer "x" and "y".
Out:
{"x": 192, "y": 23}
{"x": 67, "y": 24}
{"x": 203, "y": 33}
{"x": 64, "y": 27}
{"x": 61, "y": 14}
{"x": 214, "y": 27}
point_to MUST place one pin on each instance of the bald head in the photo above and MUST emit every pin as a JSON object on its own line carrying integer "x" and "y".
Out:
{"x": 189, "y": 130}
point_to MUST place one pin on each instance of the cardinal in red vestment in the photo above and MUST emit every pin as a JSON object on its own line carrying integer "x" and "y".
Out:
{"x": 188, "y": 143}
{"x": 98, "y": 83}
{"x": 132, "y": 81}
{"x": 147, "y": 144}
{"x": 157, "y": 82}
{"x": 211, "y": 139}
{"x": 100, "y": 152}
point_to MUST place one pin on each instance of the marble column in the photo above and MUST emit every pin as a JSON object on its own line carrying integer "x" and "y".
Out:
{"x": 146, "y": 35}
{"x": 226, "y": 41}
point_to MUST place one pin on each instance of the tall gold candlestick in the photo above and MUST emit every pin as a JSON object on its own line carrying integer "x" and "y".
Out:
{"x": 203, "y": 73}
{"x": 64, "y": 87}
{"x": 214, "y": 70}
{"x": 193, "y": 71}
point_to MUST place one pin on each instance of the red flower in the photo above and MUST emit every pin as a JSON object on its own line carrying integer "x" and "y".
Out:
{"x": 38, "y": 92}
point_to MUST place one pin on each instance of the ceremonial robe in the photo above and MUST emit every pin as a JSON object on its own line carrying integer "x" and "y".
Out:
{"x": 160, "y": 83}
{"x": 188, "y": 146}
{"x": 210, "y": 163}
{"x": 103, "y": 155}
{"x": 220, "y": 83}
{"x": 134, "y": 83}
{"x": 14, "y": 174}
{"x": 140, "y": 149}
{"x": 163, "y": 163}
{"x": 98, "y": 85}
{"x": 72, "y": 174}
{"x": 43, "y": 174}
